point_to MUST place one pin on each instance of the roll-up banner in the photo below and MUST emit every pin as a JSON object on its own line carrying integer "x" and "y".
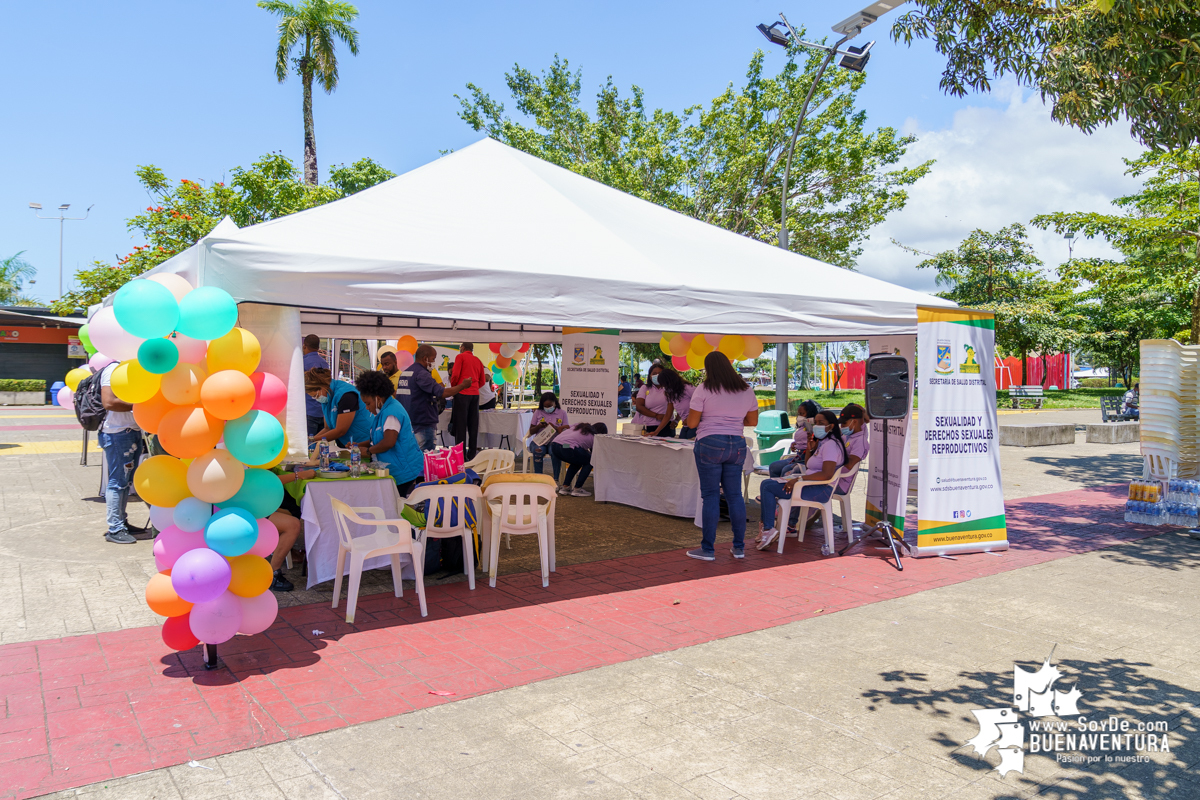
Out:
{"x": 589, "y": 376}
{"x": 898, "y": 445}
{"x": 960, "y": 505}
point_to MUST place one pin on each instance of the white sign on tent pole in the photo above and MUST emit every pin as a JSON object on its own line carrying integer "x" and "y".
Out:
{"x": 590, "y": 364}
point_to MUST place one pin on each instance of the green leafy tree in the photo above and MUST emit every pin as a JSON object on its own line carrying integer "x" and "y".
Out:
{"x": 1096, "y": 61}
{"x": 722, "y": 163}
{"x": 183, "y": 213}
{"x": 1158, "y": 232}
{"x": 14, "y": 271}
{"x": 312, "y": 28}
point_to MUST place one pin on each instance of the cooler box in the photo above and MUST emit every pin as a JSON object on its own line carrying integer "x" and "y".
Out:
{"x": 773, "y": 427}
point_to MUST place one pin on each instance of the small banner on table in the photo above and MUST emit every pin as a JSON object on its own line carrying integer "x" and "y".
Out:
{"x": 590, "y": 369}
{"x": 960, "y": 505}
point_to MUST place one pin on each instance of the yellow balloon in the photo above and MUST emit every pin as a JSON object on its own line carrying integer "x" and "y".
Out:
{"x": 695, "y": 360}
{"x": 239, "y": 349}
{"x": 74, "y": 377}
{"x": 732, "y": 347}
{"x": 664, "y": 343}
{"x": 162, "y": 481}
{"x": 700, "y": 347}
{"x": 752, "y": 347}
{"x": 181, "y": 385}
{"x": 251, "y": 576}
{"x": 133, "y": 384}
{"x": 215, "y": 476}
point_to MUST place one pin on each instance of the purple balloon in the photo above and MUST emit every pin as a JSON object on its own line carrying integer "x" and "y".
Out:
{"x": 216, "y": 620}
{"x": 200, "y": 575}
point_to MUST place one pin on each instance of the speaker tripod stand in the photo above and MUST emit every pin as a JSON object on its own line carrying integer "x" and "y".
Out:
{"x": 883, "y": 531}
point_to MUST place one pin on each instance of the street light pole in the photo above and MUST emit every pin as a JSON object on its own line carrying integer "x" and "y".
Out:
{"x": 62, "y": 218}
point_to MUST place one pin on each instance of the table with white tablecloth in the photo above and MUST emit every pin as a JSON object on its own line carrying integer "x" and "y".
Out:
{"x": 653, "y": 474}
{"x": 493, "y": 426}
{"x": 321, "y": 531}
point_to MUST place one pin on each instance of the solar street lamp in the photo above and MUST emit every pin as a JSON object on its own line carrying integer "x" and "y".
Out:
{"x": 62, "y": 218}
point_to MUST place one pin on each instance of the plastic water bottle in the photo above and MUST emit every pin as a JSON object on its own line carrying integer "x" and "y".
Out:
{"x": 355, "y": 460}
{"x": 323, "y": 454}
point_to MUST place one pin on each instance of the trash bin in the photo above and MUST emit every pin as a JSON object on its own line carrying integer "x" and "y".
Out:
{"x": 773, "y": 427}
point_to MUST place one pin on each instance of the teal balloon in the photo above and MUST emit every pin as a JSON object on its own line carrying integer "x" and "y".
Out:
{"x": 260, "y": 495}
{"x": 255, "y": 438}
{"x": 231, "y": 532}
{"x": 86, "y": 340}
{"x": 158, "y": 355}
{"x": 206, "y": 313}
{"x": 146, "y": 309}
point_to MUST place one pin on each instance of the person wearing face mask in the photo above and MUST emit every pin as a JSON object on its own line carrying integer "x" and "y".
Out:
{"x": 826, "y": 458}
{"x": 551, "y": 414}
{"x": 346, "y": 418}
{"x": 804, "y": 425}
{"x": 856, "y": 433}
{"x": 419, "y": 393}
{"x": 392, "y": 440}
{"x": 654, "y": 411}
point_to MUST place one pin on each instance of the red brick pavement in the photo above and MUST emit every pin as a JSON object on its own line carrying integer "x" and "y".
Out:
{"x": 88, "y": 708}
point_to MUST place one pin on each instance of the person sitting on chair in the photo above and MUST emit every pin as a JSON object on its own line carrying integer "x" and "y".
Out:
{"x": 550, "y": 413}
{"x": 827, "y": 456}
{"x": 804, "y": 425}
{"x": 1129, "y": 403}
{"x": 287, "y": 521}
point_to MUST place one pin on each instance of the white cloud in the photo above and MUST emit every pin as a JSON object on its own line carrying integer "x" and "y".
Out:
{"x": 997, "y": 166}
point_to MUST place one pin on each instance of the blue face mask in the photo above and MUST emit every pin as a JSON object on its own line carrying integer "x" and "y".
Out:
{"x": 820, "y": 431}
{"x": 654, "y": 379}
{"x": 324, "y": 399}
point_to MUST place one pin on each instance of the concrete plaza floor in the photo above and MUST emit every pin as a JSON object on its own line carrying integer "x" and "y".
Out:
{"x": 872, "y": 701}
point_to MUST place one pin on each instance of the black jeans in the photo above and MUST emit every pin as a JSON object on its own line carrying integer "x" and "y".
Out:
{"x": 464, "y": 420}
{"x": 580, "y": 460}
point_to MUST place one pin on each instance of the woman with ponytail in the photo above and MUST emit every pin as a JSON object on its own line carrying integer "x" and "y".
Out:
{"x": 575, "y": 448}
{"x": 828, "y": 455}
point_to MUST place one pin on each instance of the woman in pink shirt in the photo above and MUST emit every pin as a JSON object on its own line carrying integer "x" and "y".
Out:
{"x": 575, "y": 448}
{"x": 550, "y": 413}
{"x": 829, "y": 456}
{"x": 654, "y": 411}
{"x": 720, "y": 409}
{"x": 679, "y": 396}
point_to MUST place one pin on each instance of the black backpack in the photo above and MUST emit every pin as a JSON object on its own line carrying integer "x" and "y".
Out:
{"x": 89, "y": 405}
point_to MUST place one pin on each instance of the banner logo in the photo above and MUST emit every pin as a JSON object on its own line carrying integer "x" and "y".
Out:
{"x": 579, "y": 356}
{"x": 945, "y": 362}
{"x": 598, "y": 358}
{"x": 969, "y": 366}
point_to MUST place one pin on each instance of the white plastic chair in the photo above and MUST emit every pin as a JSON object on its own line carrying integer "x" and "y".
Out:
{"x": 453, "y": 499}
{"x": 395, "y": 538}
{"x": 845, "y": 507}
{"x": 784, "y": 512}
{"x": 520, "y": 507}
{"x": 760, "y": 468}
{"x": 495, "y": 462}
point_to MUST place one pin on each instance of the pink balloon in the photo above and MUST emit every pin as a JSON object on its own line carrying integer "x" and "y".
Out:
{"x": 268, "y": 539}
{"x": 270, "y": 393}
{"x": 172, "y": 542}
{"x": 404, "y": 359}
{"x": 110, "y": 338}
{"x": 191, "y": 351}
{"x": 713, "y": 339}
{"x": 680, "y": 363}
{"x": 99, "y": 361}
{"x": 201, "y": 575}
{"x": 65, "y": 397}
{"x": 258, "y": 613}
{"x": 217, "y": 620}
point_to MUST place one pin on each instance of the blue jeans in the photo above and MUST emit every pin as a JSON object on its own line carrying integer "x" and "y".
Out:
{"x": 719, "y": 461}
{"x": 121, "y": 451}
{"x": 773, "y": 491}
{"x": 426, "y": 436}
{"x": 539, "y": 452}
{"x": 580, "y": 460}
{"x": 783, "y": 466}
{"x": 687, "y": 433}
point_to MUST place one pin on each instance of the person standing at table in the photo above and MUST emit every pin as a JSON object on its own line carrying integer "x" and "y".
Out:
{"x": 346, "y": 418}
{"x": 575, "y": 447}
{"x": 827, "y": 458}
{"x": 679, "y": 397}
{"x": 392, "y": 440}
{"x": 465, "y": 415}
{"x": 313, "y": 360}
{"x": 654, "y": 411}
{"x": 549, "y": 413}
{"x": 721, "y": 408}
{"x": 419, "y": 393}
{"x": 487, "y": 394}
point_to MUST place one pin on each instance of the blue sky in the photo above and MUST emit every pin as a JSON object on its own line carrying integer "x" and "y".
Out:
{"x": 96, "y": 89}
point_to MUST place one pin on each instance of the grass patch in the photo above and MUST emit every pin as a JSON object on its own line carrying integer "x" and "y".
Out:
{"x": 1066, "y": 398}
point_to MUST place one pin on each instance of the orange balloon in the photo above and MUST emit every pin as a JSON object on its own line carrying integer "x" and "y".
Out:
{"x": 215, "y": 476}
{"x": 162, "y": 598}
{"x": 503, "y": 362}
{"x": 678, "y": 345}
{"x": 227, "y": 394}
{"x": 181, "y": 385}
{"x": 752, "y": 347}
{"x": 149, "y": 414}
{"x": 251, "y": 577}
{"x": 407, "y": 344}
{"x": 189, "y": 432}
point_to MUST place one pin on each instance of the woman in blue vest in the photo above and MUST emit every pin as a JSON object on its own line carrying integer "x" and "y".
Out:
{"x": 347, "y": 420}
{"x": 392, "y": 440}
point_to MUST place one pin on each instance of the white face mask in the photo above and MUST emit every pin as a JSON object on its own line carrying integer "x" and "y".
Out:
{"x": 548, "y": 407}
{"x": 820, "y": 431}
{"x": 654, "y": 380}
{"x": 322, "y": 399}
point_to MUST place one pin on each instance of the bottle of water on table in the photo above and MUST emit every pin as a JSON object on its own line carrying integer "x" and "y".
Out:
{"x": 355, "y": 460}
{"x": 323, "y": 454}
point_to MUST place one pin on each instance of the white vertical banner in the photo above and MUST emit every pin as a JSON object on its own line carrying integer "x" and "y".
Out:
{"x": 589, "y": 376}
{"x": 898, "y": 444}
{"x": 277, "y": 329}
{"x": 960, "y": 504}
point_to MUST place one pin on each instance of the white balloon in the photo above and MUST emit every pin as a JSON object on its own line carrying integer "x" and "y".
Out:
{"x": 191, "y": 351}
{"x": 178, "y": 284}
{"x": 110, "y": 338}
{"x": 507, "y": 350}
{"x": 162, "y": 518}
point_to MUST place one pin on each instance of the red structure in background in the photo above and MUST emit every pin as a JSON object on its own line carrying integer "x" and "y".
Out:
{"x": 853, "y": 374}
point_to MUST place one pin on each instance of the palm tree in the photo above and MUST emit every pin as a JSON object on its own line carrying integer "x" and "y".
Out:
{"x": 313, "y": 26}
{"x": 13, "y": 272}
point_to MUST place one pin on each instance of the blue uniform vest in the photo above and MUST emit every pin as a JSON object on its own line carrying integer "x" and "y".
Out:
{"x": 360, "y": 429}
{"x": 405, "y": 459}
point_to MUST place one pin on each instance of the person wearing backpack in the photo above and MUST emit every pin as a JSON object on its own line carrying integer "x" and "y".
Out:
{"x": 121, "y": 439}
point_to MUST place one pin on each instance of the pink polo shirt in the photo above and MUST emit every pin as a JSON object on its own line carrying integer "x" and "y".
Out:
{"x": 574, "y": 438}
{"x": 721, "y": 413}
{"x": 656, "y": 401}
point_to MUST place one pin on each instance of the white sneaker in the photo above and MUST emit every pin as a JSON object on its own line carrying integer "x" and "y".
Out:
{"x": 564, "y": 490}
{"x": 766, "y": 538}
{"x": 580, "y": 493}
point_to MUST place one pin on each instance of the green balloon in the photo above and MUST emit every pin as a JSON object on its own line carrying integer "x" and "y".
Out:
{"x": 255, "y": 438}
{"x": 261, "y": 494}
{"x": 207, "y": 313}
{"x": 146, "y": 309}
{"x": 158, "y": 356}
{"x": 86, "y": 340}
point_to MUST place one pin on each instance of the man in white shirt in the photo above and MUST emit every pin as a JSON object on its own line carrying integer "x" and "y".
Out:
{"x": 121, "y": 439}
{"x": 1129, "y": 403}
